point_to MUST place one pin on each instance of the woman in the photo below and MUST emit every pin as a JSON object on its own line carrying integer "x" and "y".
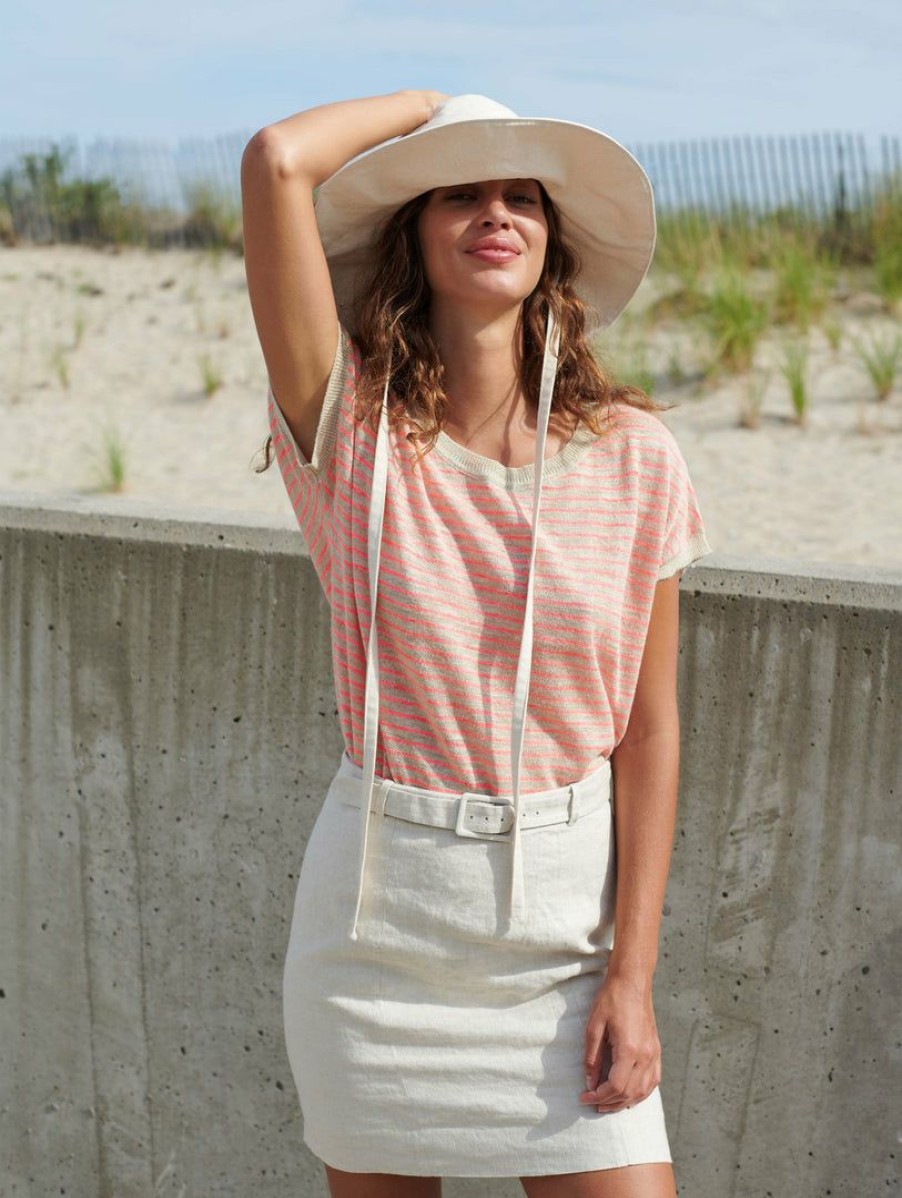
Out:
{"x": 456, "y": 1003}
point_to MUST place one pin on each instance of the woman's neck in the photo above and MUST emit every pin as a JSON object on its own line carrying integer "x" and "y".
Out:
{"x": 482, "y": 361}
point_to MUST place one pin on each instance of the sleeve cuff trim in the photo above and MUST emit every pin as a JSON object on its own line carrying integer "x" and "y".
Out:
{"x": 694, "y": 548}
{"x": 327, "y": 428}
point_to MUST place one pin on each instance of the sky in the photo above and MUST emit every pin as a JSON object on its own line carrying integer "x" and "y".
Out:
{"x": 642, "y": 71}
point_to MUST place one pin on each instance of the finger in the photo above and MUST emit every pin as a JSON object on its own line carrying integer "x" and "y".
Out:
{"x": 609, "y": 1108}
{"x": 622, "y": 1072}
{"x": 594, "y": 1054}
{"x": 620, "y": 1086}
{"x": 615, "y": 1104}
{"x": 649, "y": 1079}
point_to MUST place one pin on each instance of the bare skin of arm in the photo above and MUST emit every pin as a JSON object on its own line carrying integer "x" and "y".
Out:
{"x": 646, "y": 775}
{"x": 287, "y": 276}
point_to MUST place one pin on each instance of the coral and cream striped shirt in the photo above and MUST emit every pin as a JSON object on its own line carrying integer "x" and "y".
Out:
{"x": 619, "y": 512}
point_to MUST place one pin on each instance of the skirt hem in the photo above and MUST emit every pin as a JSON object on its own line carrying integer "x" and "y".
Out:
{"x": 553, "y": 1165}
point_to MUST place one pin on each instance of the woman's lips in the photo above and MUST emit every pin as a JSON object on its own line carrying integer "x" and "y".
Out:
{"x": 494, "y": 249}
{"x": 495, "y": 255}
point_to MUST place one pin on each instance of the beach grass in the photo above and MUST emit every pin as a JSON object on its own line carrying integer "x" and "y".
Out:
{"x": 735, "y": 319}
{"x": 60, "y": 365}
{"x": 888, "y": 271}
{"x": 79, "y": 325}
{"x": 794, "y": 368}
{"x": 211, "y": 375}
{"x": 881, "y": 357}
{"x": 113, "y": 460}
{"x": 752, "y": 398}
{"x": 803, "y": 278}
{"x": 887, "y": 240}
{"x": 833, "y": 331}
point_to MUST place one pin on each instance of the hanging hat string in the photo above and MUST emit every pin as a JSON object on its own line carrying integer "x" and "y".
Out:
{"x": 517, "y": 894}
{"x": 371, "y": 692}
{"x": 517, "y": 897}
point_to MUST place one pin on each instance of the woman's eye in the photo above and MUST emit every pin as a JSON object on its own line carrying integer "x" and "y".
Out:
{"x": 519, "y": 199}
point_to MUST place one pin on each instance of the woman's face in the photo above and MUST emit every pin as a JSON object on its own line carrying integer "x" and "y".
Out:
{"x": 484, "y": 243}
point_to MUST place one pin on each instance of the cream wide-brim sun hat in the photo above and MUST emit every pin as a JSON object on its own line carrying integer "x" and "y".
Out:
{"x": 602, "y": 193}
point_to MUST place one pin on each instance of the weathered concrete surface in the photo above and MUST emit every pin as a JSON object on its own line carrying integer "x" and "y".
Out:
{"x": 167, "y": 731}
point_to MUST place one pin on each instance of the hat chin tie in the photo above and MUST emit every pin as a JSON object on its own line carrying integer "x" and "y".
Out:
{"x": 516, "y": 906}
{"x": 517, "y": 895}
{"x": 371, "y": 691}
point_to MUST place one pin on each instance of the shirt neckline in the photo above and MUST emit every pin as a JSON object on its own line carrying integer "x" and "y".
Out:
{"x": 514, "y": 478}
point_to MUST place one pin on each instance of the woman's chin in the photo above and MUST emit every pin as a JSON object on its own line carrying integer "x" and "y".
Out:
{"x": 485, "y": 292}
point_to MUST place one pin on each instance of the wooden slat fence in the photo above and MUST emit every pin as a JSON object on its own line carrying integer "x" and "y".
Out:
{"x": 815, "y": 176}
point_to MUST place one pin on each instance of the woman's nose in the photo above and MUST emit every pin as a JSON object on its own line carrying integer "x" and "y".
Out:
{"x": 495, "y": 213}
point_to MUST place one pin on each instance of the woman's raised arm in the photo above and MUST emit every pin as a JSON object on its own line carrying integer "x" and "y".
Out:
{"x": 287, "y": 276}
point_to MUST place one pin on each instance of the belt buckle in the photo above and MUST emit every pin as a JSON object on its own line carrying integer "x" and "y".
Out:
{"x": 462, "y": 830}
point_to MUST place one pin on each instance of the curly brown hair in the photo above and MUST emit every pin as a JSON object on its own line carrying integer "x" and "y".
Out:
{"x": 393, "y": 332}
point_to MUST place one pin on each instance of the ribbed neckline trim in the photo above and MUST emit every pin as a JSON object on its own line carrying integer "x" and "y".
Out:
{"x": 514, "y": 478}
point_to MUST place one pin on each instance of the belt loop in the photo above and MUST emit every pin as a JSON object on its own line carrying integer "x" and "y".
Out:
{"x": 573, "y": 806}
{"x": 382, "y": 797}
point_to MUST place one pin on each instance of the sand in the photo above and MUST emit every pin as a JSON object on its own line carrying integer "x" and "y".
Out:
{"x": 99, "y": 346}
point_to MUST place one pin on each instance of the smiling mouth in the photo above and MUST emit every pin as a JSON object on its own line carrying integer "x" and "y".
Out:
{"x": 492, "y": 249}
{"x": 494, "y": 255}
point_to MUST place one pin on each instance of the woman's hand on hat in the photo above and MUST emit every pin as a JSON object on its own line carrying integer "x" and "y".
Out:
{"x": 429, "y": 102}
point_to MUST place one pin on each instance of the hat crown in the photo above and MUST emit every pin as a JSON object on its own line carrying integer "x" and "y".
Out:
{"x": 467, "y": 108}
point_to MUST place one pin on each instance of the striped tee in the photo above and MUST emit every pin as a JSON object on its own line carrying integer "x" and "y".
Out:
{"x": 619, "y": 512}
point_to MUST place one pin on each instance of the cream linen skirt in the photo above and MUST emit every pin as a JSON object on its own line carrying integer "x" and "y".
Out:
{"x": 441, "y": 1043}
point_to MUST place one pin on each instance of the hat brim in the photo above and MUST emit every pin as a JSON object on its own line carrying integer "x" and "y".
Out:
{"x": 602, "y": 193}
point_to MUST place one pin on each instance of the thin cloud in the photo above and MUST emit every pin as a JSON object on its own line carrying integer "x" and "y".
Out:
{"x": 654, "y": 71}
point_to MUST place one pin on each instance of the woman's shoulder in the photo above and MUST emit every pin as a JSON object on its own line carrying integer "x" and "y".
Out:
{"x": 641, "y": 428}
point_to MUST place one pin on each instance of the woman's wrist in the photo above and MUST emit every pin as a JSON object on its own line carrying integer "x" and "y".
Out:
{"x": 638, "y": 972}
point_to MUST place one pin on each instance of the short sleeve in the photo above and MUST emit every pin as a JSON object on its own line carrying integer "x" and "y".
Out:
{"x": 289, "y": 454}
{"x": 313, "y": 485}
{"x": 684, "y": 537}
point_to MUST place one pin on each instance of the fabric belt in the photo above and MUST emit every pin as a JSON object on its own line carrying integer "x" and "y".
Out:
{"x": 516, "y": 894}
{"x": 472, "y": 814}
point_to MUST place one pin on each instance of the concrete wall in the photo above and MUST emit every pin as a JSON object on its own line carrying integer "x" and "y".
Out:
{"x": 168, "y": 730}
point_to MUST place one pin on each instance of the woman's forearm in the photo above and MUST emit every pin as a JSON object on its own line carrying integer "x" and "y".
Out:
{"x": 313, "y": 144}
{"x": 646, "y": 777}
